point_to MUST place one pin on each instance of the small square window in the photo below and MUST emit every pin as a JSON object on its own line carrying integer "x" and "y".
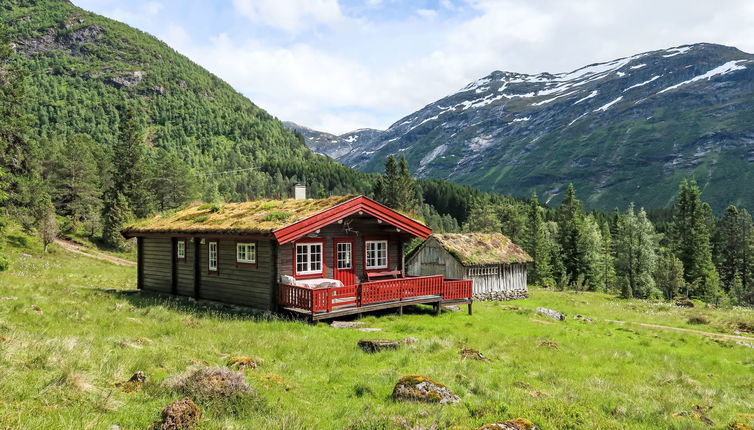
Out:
{"x": 180, "y": 251}
{"x": 246, "y": 253}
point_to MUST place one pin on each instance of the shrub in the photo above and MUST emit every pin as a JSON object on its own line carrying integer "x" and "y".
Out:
{"x": 4, "y": 263}
{"x": 276, "y": 216}
{"x": 697, "y": 319}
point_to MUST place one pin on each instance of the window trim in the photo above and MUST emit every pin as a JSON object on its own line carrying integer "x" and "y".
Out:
{"x": 323, "y": 266}
{"x": 216, "y": 270}
{"x": 177, "y": 247}
{"x": 367, "y": 240}
{"x": 337, "y": 241}
{"x": 256, "y": 253}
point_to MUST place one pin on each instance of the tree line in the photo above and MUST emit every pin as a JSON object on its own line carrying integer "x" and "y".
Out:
{"x": 697, "y": 255}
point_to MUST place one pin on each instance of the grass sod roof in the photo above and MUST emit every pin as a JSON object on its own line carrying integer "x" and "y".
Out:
{"x": 254, "y": 217}
{"x": 478, "y": 249}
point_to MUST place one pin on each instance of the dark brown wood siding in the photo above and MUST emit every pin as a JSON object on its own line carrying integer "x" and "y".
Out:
{"x": 246, "y": 285}
{"x": 359, "y": 230}
{"x": 186, "y": 271}
{"x": 157, "y": 266}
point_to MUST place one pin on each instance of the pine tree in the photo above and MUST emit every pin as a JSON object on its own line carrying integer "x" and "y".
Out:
{"x": 734, "y": 239}
{"x": 538, "y": 245}
{"x": 690, "y": 241}
{"x": 406, "y": 188}
{"x": 386, "y": 186}
{"x": 75, "y": 180}
{"x": 590, "y": 245}
{"x": 172, "y": 182}
{"x": 635, "y": 256}
{"x": 483, "y": 218}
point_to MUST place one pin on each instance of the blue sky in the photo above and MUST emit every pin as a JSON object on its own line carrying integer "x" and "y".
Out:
{"x": 338, "y": 65}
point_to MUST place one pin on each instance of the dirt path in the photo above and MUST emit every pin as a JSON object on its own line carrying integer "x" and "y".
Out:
{"x": 687, "y": 330}
{"x": 92, "y": 253}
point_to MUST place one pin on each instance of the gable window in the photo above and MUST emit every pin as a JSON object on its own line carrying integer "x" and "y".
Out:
{"x": 212, "y": 256}
{"x": 246, "y": 253}
{"x": 376, "y": 254}
{"x": 180, "y": 250}
{"x": 309, "y": 258}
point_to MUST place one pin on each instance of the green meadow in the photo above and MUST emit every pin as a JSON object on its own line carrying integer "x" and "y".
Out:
{"x": 68, "y": 334}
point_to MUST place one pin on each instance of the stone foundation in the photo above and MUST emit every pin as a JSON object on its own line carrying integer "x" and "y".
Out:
{"x": 494, "y": 296}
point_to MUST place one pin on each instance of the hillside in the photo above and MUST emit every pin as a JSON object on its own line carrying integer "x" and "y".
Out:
{"x": 621, "y": 131}
{"x": 84, "y": 69}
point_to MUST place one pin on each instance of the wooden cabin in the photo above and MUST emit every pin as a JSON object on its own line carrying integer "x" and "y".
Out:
{"x": 496, "y": 266}
{"x": 318, "y": 257}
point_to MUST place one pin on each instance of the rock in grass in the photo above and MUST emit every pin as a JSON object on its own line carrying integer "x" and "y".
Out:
{"x": 552, "y": 314}
{"x": 419, "y": 388}
{"x": 582, "y": 318}
{"x": 740, "y": 426}
{"x": 179, "y": 415}
{"x": 377, "y": 345}
{"x": 134, "y": 383}
{"x": 346, "y": 324}
{"x": 212, "y": 383}
{"x": 517, "y": 424}
{"x": 243, "y": 362}
{"x": 473, "y": 354}
{"x": 409, "y": 340}
{"x": 684, "y": 302}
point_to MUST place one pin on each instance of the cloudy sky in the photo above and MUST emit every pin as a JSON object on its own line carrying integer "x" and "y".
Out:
{"x": 338, "y": 65}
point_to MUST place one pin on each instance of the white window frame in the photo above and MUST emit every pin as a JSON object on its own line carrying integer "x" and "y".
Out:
{"x": 180, "y": 250}
{"x": 347, "y": 255}
{"x": 306, "y": 249}
{"x": 371, "y": 246}
{"x": 246, "y": 252}
{"x": 213, "y": 258}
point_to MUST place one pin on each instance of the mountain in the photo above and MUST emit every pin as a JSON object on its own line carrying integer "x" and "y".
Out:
{"x": 85, "y": 69}
{"x": 334, "y": 146}
{"x": 621, "y": 131}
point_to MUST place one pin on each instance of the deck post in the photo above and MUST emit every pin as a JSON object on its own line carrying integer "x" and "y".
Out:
{"x": 438, "y": 308}
{"x": 400, "y": 310}
{"x": 470, "y": 307}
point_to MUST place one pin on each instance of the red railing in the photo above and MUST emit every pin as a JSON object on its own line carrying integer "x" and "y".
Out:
{"x": 389, "y": 290}
{"x": 454, "y": 289}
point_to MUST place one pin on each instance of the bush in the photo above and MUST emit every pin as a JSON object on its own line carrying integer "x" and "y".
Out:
{"x": 698, "y": 320}
{"x": 4, "y": 263}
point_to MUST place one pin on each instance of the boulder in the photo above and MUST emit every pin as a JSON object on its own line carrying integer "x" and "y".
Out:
{"x": 377, "y": 345}
{"x": 517, "y": 424}
{"x": 419, "y": 388}
{"x": 552, "y": 314}
{"x": 346, "y": 324}
{"x": 180, "y": 415}
{"x": 740, "y": 426}
{"x": 683, "y": 302}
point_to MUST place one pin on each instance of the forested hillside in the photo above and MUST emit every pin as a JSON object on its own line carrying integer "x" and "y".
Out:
{"x": 84, "y": 70}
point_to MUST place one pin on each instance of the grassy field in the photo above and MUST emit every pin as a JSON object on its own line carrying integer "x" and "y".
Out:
{"x": 65, "y": 341}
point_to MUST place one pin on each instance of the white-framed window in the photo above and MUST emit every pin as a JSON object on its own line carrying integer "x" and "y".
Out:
{"x": 483, "y": 271}
{"x": 308, "y": 258}
{"x": 180, "y": 249}
{"x": 376, "y": 254}
{"x": 212, "y": 256}
{"x": 246, "y": 253}
{"x": 344, "y": 255}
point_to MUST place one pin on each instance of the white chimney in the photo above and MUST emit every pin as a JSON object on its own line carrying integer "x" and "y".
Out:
{"x": 299, "y": 192}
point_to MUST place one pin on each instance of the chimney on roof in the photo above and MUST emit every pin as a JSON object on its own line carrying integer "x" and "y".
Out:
{"x": 299, "y": 192}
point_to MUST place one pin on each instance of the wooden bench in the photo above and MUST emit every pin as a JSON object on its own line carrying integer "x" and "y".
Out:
{"x": 372, "y": 276}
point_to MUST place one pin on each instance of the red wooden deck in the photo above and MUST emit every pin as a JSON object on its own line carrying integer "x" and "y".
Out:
{"x": 322, "y": 303}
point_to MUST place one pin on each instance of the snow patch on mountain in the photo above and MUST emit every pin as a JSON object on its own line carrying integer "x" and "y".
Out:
{"x": 592, "y": 94}
{"x": 677, "y": 51}
{"x": 730, "y": 66}
{"x": 641, "y": 84}
{"x": 607, "y": 106}
{"x": 433, "y": 154}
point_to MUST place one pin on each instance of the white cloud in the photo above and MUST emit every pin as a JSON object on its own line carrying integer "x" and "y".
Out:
{"x": 290, "y": 15}
{"x": 354, "y": 75}
{"x": 427, "y": 13}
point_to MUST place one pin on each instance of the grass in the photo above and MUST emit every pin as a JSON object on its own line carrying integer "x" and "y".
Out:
{"x": 66, "y": 342}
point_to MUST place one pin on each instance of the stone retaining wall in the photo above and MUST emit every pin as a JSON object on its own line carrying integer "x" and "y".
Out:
{"x": 493, "y": 296}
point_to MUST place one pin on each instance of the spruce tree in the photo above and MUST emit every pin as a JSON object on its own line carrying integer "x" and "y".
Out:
{"x": 172, "y": 182}
{"x": 607, "y": 259}
{"x": 483, "y": 218}
{"x": 590, "y": 245}
{"x": 406, "y": 188}
{"x": 130, "y": 174}
{"x": 569, "y": 218}
{"x": 733, "y": 247}
{"x": 690, "y": 241}
{"x": 538, "y": 245}
{"x": 76, "y": 181}
{"x": 669, "y": 275}
{"x": 117, "y": 214}
{"x": 635, "y": 255}
{"x": 386, "y": 186}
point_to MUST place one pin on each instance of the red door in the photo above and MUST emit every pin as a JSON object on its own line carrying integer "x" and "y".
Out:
{"x": 343, "y": 264}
